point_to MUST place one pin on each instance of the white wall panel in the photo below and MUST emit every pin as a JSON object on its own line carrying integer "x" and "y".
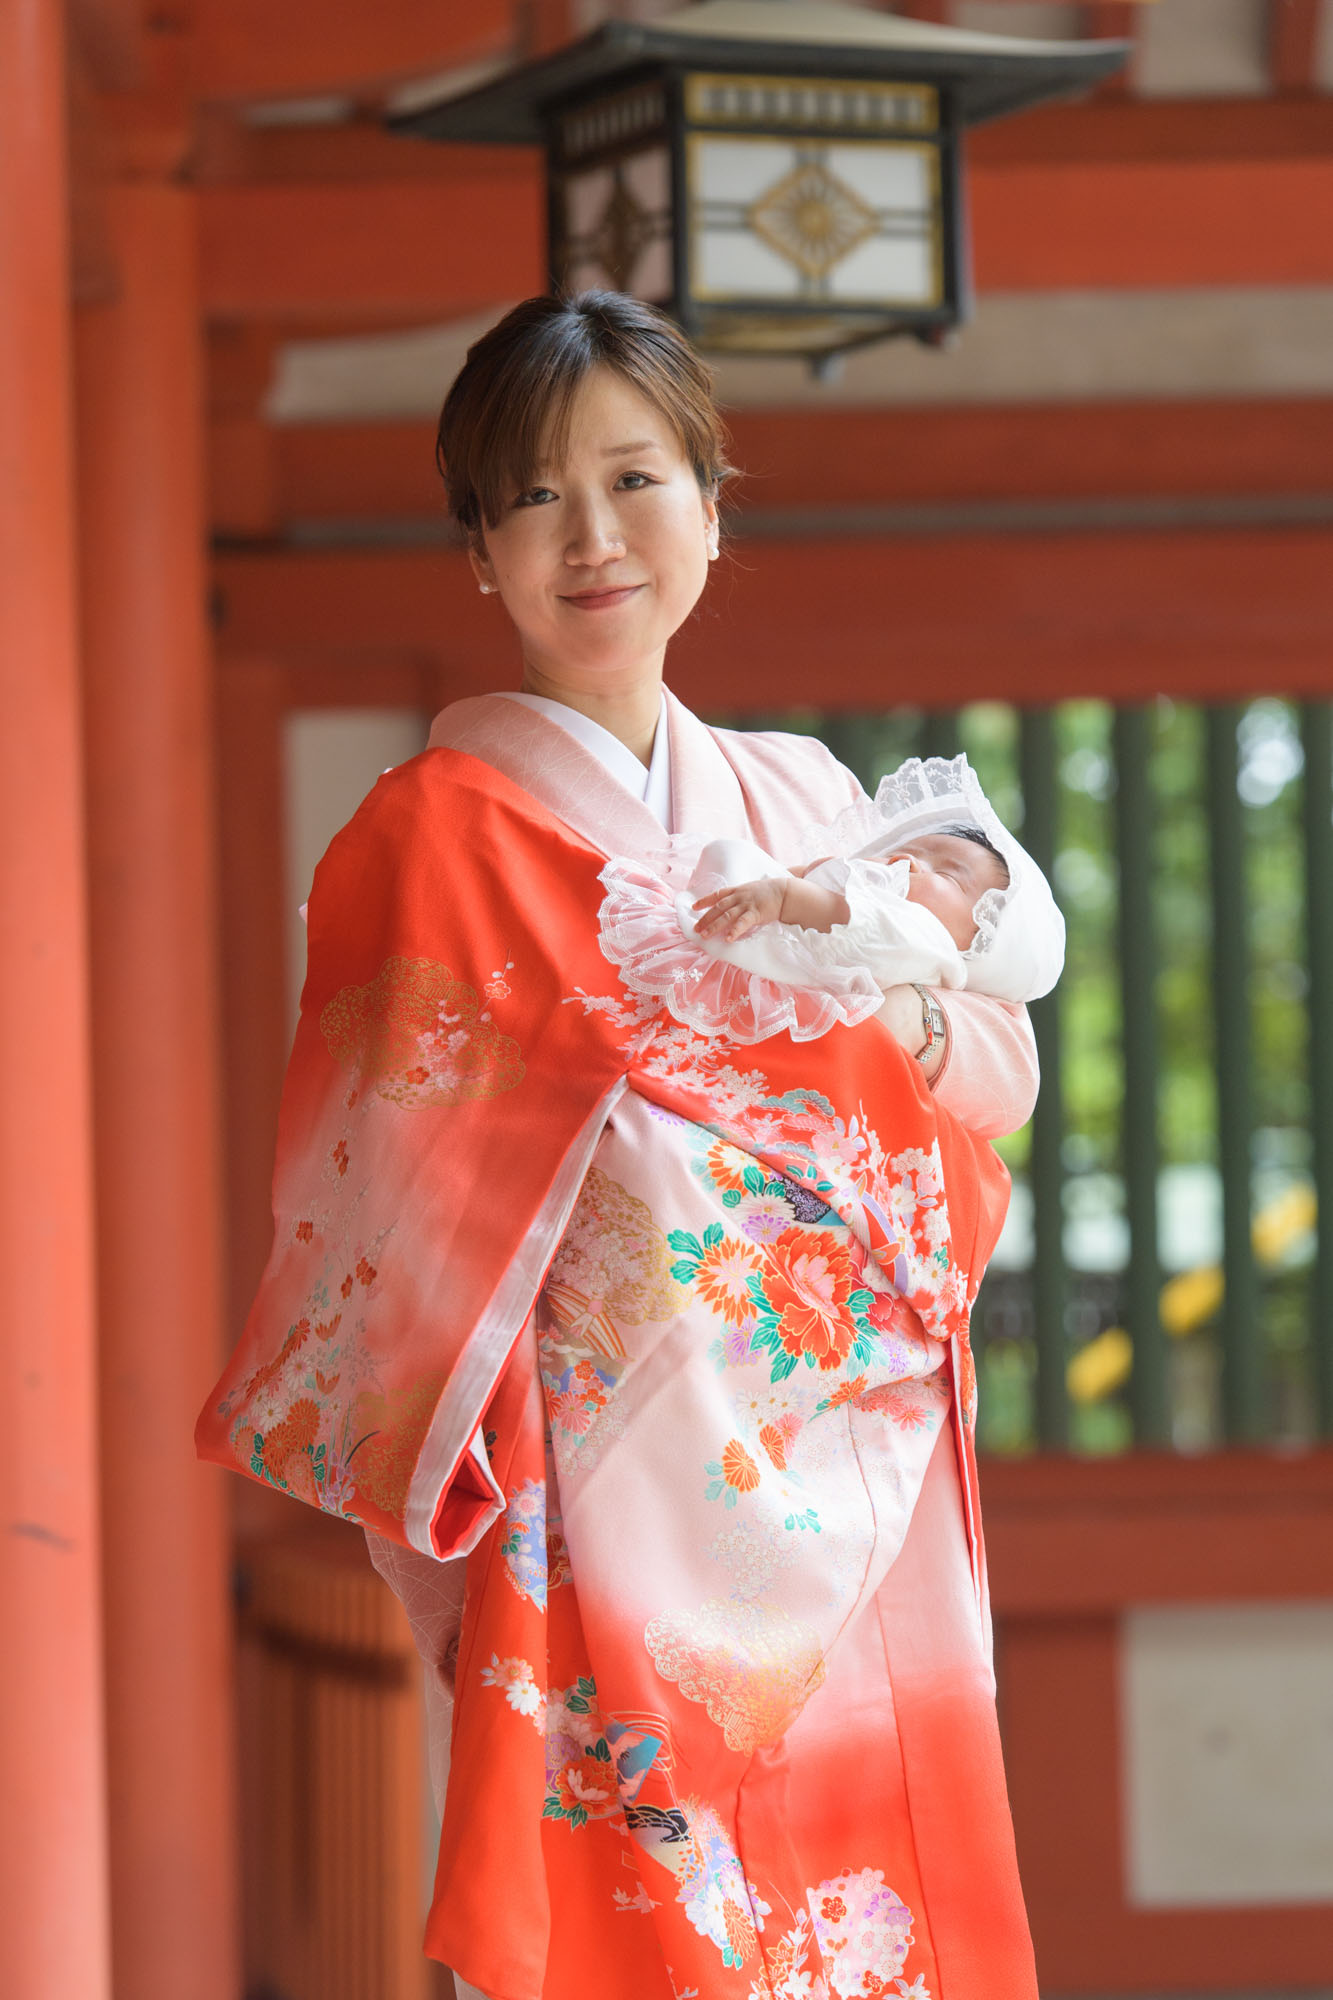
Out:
{"x": 1203, "y": 48}
{"x": 331, "y": 759}
{"x": 1228, "y": 1755}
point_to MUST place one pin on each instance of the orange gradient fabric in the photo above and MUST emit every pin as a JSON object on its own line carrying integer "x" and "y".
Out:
{"x": 669, "y": 1337}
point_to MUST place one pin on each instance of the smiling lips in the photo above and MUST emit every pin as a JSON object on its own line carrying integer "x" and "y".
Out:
{"x": 602, "y": 600}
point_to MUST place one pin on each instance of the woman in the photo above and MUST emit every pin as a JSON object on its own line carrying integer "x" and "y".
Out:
{"x": 667, "y": 1335}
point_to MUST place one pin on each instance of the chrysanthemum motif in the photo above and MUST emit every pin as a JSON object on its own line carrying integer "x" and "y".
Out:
{"x": 514, "y": 1679}
{"x": 738, "y": 1468}
{"x": 812, "y": 219}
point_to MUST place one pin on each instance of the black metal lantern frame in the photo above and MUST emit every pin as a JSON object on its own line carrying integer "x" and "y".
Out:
{"x": 783, "y": 178}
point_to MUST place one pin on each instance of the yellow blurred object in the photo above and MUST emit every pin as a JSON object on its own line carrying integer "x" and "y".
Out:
{"x": 1101, "y": 1366}
{"x": 1279, "y": 1225}
{"x": 1190, "y": 1299}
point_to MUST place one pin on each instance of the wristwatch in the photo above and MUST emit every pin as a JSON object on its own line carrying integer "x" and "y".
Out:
{"x": 933, "y": 1024}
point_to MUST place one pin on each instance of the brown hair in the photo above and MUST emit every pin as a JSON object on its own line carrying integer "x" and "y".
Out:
{"x": 510, "y": 403}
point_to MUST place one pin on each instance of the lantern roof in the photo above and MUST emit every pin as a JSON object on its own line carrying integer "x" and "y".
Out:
{"x": 987, "y": 75}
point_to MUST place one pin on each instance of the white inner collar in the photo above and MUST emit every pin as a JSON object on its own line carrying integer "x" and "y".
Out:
{"x": 651, "y": 783}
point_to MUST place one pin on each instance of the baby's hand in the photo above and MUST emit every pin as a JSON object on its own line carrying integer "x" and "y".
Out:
{"x": 734, "y": 913}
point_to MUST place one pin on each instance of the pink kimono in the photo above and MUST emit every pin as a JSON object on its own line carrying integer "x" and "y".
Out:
{"x": 670, "y": 1337}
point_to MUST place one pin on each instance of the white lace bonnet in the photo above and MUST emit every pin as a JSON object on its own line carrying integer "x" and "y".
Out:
{"x": 1020, "y": 931}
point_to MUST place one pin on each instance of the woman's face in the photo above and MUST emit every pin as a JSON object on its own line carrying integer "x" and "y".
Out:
{"x": 602, "y": 558}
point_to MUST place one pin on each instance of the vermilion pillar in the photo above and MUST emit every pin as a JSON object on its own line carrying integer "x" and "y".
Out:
{"x": 151, "y": 874}
{"x": 53, "y": 1915}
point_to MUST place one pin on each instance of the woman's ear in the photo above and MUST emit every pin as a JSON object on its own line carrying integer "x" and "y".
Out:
{"x": 712, "y": 526}
{"x": 482, "y": 568}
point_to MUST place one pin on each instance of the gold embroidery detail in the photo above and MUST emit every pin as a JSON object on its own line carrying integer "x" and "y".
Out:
{"x": 420, "y": 1037}
{"x": 751, "y": 1665}
{"x": 390, "y": 1430}
{"x": 613, "y": 1264}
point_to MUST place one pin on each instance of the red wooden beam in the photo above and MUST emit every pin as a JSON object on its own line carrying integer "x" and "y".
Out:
{"x": 107, "y": 35}
{"x": 868, "y": 622}
{"x": 404, "y": 252}
{"x": 1257, "y": 222}
{"x": 226, "y": 149}
{"x": 1126, "y": 128}
{"x": 1293, "y": 40}
{"x": 254, "y": 49}
{"x": 1072, "y": 1538}
{"x": 399, "y": 252}
{"x": 811, "y": 458}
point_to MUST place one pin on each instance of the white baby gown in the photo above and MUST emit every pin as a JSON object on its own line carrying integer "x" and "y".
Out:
{"x": 782, "y": 977}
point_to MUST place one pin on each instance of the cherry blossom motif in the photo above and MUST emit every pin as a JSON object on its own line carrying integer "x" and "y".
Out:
{"x": 523, "y": 1542}
{"x": 864, "y": 1932}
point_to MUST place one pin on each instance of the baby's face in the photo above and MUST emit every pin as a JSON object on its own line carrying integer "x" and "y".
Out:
{"x": 949, "y": 877}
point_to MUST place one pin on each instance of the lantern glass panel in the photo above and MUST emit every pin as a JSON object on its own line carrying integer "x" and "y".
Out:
{"x": 616, "y": 219}
{"x": 792, "y": 220}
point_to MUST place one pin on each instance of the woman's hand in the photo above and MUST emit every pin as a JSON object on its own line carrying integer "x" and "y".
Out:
{"x": 901, "y": 1015}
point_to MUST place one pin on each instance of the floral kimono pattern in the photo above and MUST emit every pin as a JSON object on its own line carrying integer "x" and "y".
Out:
{"x": 669, "y": 1338}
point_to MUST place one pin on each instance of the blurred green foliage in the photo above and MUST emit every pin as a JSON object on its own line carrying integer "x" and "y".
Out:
{"x": 1087, "y": 884}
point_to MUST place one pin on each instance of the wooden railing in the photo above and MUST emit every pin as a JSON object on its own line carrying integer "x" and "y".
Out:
{"x": 332, "y": 1777}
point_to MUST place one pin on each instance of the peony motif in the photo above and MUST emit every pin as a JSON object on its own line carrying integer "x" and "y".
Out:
{"x": 588, "y": 1785}
{"x": 809, "y": 1300}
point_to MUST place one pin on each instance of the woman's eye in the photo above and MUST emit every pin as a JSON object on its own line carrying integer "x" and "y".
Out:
{"x": 536, "y": 496}
{"x": 632, "y": 481}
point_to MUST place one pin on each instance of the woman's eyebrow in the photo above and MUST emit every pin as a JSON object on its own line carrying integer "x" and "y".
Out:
{"x": 624, "y": 450}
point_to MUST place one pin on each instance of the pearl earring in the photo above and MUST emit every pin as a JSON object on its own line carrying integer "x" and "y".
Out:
{"x": 486, "y": 589}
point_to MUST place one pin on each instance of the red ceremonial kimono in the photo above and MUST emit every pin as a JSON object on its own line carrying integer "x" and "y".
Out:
{"x": 669, "y": 1336}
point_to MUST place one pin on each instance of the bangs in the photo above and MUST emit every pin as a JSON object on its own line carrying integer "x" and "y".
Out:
{"x": 507, "y": 417}
{"x": 526, "y": 431}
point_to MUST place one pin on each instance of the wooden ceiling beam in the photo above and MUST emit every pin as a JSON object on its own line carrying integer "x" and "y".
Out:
{"x": 405, "y": 253}
{"x": 255, "y": 49}
{"x": 940, "y": 619}
{"x": 830, "y": 458}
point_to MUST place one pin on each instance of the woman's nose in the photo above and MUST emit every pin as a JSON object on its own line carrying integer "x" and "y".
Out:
{"x": 595, "y": 537}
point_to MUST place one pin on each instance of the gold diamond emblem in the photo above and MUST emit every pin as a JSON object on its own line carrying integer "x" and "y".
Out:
{"x": 811, "y": 218}
{"x": 622, "y": 231}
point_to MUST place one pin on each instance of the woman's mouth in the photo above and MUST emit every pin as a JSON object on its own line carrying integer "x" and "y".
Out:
{"x": 603, "y": 600}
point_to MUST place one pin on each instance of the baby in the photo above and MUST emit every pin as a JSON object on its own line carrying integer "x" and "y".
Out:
{"x": 947, "y": 873}
{"x": 923, "y": 884}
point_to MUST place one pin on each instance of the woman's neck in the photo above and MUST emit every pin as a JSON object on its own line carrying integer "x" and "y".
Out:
{"x": 629, "y": 713}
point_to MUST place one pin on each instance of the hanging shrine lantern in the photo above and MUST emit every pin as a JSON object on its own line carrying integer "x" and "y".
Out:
{"x": 783, "y": 178}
